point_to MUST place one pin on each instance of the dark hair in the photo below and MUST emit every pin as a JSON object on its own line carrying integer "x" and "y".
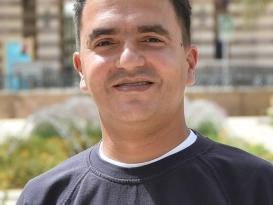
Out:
{"x": 182, "y": 9}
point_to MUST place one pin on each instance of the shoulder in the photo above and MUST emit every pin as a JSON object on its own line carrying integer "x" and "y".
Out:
{"x": 54, "y": 185}
{"x": 239, "y": 171}
{"x": 227, "y": 156}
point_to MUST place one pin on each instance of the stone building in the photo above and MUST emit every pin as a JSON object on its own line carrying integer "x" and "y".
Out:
{"x": 43, "y": 26}
{"x": 38, "y": 26}
{"x": 244, "y": 42}
{"x": 250, "y": 39}
{"x": 37, "y": 19}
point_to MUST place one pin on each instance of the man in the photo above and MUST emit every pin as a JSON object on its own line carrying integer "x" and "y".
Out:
{"x": 135, "y": 59}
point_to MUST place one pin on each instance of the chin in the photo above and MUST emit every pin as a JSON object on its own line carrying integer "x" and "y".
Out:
{"x": 135, "y": 115}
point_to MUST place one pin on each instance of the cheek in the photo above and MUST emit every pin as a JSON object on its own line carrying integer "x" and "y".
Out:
{"x": 96, "y": 69}
{"x": 171, "y": 65}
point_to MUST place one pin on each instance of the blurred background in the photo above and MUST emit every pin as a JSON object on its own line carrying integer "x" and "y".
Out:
{"x": 233, "y": 37}
{"x": 44, "y": 118}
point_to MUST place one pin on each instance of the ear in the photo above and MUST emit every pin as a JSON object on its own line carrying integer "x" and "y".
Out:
{"x": 78, "y": 68}
{"x": 191, "y": 57}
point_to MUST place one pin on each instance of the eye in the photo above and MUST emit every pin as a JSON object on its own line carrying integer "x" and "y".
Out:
{"x": 152, "y": 40}
{"x": 104, "y": 43}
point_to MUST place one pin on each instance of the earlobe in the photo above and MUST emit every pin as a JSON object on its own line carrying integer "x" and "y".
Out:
{"x": 78, "y": 68}
{"x": 83, "y": 86}
{"x": 192, "y": 55}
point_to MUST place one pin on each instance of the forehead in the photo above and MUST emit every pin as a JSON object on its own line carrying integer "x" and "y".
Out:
{"x": 127, "y": 13}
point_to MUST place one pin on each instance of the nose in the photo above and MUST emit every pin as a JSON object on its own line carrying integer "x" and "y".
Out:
{"x": 130, "y": 57}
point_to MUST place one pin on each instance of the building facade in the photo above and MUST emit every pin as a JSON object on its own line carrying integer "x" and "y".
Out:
{"x": 250, "y": 40}
{"x": 234, "y": 41}
{"x": 228, "y": 40}
{"x": 36, "y": 26}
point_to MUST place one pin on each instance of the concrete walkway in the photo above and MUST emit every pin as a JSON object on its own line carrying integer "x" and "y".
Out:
{"x": 10, "y": 197}
{"x": 255, "y": 130}
{"x": 10, "y": 128}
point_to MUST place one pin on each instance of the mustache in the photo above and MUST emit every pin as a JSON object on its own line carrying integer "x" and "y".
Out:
{"x": 137, "y": 72}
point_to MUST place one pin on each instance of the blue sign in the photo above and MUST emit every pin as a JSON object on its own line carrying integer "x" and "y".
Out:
{"x": 14, "y": 53}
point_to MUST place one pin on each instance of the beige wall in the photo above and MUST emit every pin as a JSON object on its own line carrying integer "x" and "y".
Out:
{"x": 241, "y": 101}
{"x": 251, "y": 42}
{"x": 49, "y": 36}
{"x": 237, "y": 101}
{"x": 21, "y": 104}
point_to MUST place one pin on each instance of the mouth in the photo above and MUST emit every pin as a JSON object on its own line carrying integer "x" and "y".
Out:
{"x": 134, "y": 86}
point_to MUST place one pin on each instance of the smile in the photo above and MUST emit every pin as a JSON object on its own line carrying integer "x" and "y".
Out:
{"x": 134, "y": 86}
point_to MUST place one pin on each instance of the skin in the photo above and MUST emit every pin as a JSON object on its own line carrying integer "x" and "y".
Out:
{"x": 135, "y": 66}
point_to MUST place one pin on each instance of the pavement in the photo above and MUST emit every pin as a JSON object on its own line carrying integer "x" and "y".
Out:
{"x": 255, "y": 130}
{"x": 10, "y": 128}
{"x": 9, "y": 197}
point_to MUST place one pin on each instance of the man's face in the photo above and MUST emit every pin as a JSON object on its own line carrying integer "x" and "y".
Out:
{"x": 131, "y": 59}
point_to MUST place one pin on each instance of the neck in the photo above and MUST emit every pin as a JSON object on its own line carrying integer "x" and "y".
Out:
{"x": 143, "y": 141}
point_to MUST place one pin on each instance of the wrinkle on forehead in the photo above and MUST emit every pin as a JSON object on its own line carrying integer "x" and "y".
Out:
{"x": 111, "y": 3}
{"x": 126, "y": 9}
{"x": 124, "y": 5}
{"x": 127, "y": 15}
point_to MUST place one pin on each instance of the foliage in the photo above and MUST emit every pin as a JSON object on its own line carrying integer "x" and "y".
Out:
{"x": 76, "y": 141}
{"x": 49, "y": 136}
{"x": 256, "y": 149}
{"x": 28, "y": 158}
{"x": 44, "y": 130}
{"x": 208, "y": 129}
{"x": 205, "y": 116}
{"x": 21, "y": 160}
{"x": 208, "y": 119}
{"x": 76, "y": 120}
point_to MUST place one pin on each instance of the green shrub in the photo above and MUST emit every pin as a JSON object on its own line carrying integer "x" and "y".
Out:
{"x": 44, "y": 129}
{"x": 21, "y": 160}
{"x": 78, "y": 141}
{"x": 29, "y": 158}
{"x": 256, "y": 149}
{"x": 208, "y": 129}
{"x": 77, "y": 136}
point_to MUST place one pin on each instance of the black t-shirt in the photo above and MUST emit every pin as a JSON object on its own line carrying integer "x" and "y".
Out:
{"x": 206, "y": 173}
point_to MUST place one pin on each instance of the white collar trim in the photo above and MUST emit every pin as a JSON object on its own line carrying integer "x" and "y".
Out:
{"x": 183, "y": 145}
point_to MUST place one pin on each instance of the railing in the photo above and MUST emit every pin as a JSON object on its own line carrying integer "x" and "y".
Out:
{"x": 47, "y": 80}
{"x": 207, "y": 75}
{"x": 215, "y": 73}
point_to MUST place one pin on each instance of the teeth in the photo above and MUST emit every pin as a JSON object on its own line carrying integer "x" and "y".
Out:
{"x": 135, "y": 84}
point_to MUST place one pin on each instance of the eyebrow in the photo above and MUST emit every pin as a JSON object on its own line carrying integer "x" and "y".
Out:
{"x": 141, "y": 29}
{"x": 153, "y": 29}
{"x": 102, "y": 31}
